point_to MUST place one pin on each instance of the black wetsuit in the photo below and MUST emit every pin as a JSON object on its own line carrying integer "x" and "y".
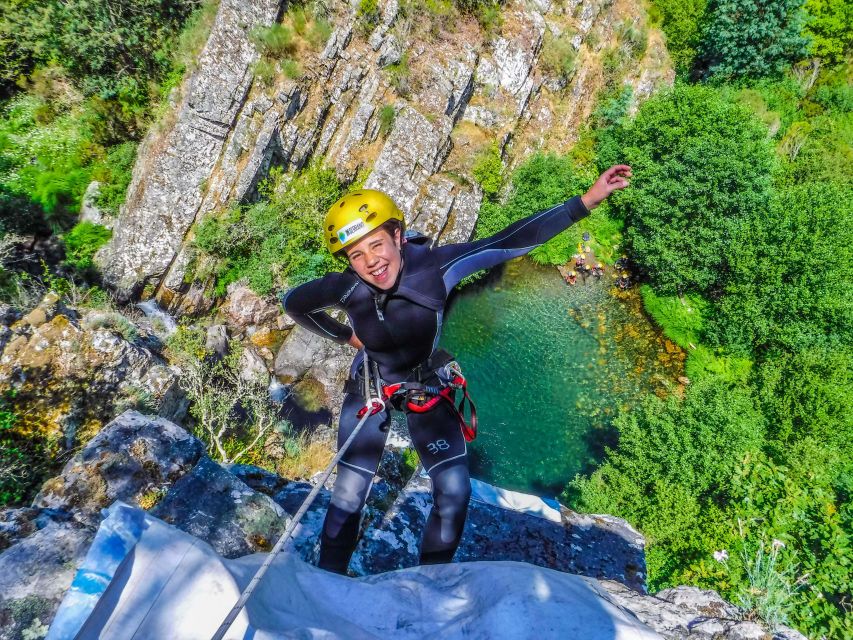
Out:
{"x": 400, "y": 328}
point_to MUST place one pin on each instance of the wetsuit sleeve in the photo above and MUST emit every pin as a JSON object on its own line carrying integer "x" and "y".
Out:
{"x": 306, "y": 304}
{"x": 459, "y": 260}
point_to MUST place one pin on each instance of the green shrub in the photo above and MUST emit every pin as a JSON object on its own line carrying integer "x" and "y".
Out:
{"x": 751, "y": 38}
{"x": 114, "y": 174}
{"x": 49, "y": 164}
{"x": 275, "y": 242}
{"x": 264, "y": 70}
{"x": 803, "y": 503}
{"x": 399, "y": 75}
{"x": 367, "y": 15}
{"x": 490, "y": 17}
{"x": 702, "y": 168}
{"x": 319, "y": 32}
{"x": 558, "y": 56}
{"x": 633, "y": 38}
{"x": 612, "y": 107}
{"x": 291, "y": 68}
{"x": 274, "y": 41}
{"x": 488, "y": 170}
{"x": 82, "y": 242}
{"x": 387, "y": 115}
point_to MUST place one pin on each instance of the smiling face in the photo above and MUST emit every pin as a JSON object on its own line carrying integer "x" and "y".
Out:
{"x": 376, "y": 258}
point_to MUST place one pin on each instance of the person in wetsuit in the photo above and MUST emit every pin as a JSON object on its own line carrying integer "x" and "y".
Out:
{"x": 394, "y": 293}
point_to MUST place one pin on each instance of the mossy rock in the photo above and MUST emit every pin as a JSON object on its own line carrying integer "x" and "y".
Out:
{"x": 310, "y": 394}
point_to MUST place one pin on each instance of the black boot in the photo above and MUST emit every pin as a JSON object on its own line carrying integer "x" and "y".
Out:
{"x": 437, "y": 557}
{"x": 335, "y": 552}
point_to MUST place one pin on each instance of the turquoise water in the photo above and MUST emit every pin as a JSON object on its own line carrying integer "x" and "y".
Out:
{"x": 548, "y": 366}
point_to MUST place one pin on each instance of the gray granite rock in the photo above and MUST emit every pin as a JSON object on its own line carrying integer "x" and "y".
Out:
{"x": 687, "y": 613}
{"x": 305, "y": 541}
{"x": 132, "y": 455}
{"x": 216, "y": 506}
{"x": 253, "y": 366}
{"x": 595, "y": 546}
{"x": 260, "y": 480}
{"x": 304, "y": 353}
{"x": 216, "y": 339}
{"x": 35, "y": 573}
{"x": 176, "y": 159}
{"x": 414, "y": 150}
{"x": 89, "y": 211}
{"x": 17, "y": 524}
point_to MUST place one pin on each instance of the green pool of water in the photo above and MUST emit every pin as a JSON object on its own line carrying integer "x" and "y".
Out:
{"x": 549, "y": 365}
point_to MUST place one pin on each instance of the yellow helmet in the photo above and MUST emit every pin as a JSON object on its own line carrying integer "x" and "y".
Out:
{"x": 355, "y": 215}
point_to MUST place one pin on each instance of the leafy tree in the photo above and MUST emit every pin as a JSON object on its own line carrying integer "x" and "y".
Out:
{"x": 830, "y": 28}
{"x": 111, "y": 47}
{"x": 751, "y": 38}
{"x": 791, "y": 285}
{"x": 674, "y": 464}
{"x": 702, "y": 167}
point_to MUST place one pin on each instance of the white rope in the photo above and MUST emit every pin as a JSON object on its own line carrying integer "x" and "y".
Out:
{"x": 370, "y": 407}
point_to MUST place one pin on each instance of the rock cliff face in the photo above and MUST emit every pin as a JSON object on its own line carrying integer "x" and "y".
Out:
{"x": 463, "y": 90}
{"x": 240, "y": 509}
{"x": 177, "y": 158}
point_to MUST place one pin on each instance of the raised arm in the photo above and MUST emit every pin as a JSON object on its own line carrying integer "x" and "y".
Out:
{"x": 306, "y": 304}
{"x": 459, "y": 260}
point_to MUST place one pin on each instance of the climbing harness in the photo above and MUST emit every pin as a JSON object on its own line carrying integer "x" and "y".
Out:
{"x": 373, "y": 404}
{"x": 420, "y": 397}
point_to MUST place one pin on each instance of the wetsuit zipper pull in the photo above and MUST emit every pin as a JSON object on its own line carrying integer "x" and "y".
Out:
{"x": 378, "y": 310}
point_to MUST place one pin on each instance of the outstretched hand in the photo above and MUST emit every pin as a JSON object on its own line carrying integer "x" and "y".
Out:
{"x": 616, "y": 177}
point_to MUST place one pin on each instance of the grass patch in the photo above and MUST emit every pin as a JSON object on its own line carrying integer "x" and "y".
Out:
{"x": 681, "y": 319}
{"x": 82, "y": 242}
{"x": 703, "y": 362}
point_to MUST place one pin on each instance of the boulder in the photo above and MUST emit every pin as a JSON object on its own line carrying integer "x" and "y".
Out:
{"x": 595, "y": 546}
{"x": 214, "y": 505}
{"x": 73, "y": 375}
{"x": 244, "y": 307}
{"x": 305, "y": 354}
{"x": 131, "y": 456}
{"x": 688, "y": 612}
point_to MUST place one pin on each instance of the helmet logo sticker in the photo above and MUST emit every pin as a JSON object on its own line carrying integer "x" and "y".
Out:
{"x": 350, "y": 230}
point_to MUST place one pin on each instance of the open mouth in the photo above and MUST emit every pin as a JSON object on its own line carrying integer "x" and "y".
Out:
{"x": 380, "y": 273}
